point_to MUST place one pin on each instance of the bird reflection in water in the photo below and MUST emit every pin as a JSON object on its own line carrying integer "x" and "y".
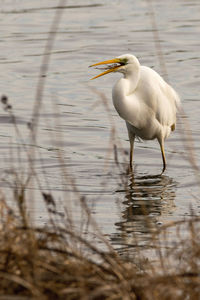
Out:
{"x": 147, "y": 197}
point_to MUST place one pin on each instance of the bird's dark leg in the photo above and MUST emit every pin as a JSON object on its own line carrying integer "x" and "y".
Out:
{"x": 131, "y": 156}
{"x": 163, "y": 156}
{"x": 131, "y": 136}
{"x": 132, "y": 139}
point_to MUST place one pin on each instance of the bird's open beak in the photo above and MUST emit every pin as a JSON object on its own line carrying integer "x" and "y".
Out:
{"x": 110, "y": 68}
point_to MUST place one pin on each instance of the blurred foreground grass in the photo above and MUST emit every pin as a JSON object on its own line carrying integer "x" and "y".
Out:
{"x": 56, "y": 262}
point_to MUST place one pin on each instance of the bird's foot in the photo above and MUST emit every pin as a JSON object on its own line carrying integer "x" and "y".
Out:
{"x": 129, "y": 170}
{"x": 163, "y": 170}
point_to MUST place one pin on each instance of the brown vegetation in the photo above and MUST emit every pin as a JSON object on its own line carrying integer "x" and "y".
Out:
{"x": 56, "y": 262}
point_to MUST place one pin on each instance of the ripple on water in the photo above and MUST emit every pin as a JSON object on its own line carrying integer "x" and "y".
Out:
{"x": 74, "y": 123}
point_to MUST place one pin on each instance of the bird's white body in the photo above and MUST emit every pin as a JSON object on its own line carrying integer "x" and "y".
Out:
{"x": 144, "y": 100}
{"x": 149, "y": 107}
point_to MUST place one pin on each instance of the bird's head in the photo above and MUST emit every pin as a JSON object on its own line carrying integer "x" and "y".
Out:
{"x": 122, "y": 63}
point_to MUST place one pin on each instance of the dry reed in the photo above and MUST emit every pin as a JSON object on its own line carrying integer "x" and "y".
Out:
{"x": 56, "y": 262}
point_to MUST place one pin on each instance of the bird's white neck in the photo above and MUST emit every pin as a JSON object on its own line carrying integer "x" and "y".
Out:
{"x": 131, "y": 77}
{"x": 122, "y": 89}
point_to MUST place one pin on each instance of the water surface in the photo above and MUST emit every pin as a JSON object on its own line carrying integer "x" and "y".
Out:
{"x": 74, "y": 120}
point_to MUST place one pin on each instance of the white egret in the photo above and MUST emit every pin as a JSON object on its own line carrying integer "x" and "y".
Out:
{"x": 144, "y": 100}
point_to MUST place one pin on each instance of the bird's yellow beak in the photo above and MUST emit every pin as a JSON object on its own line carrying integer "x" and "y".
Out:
{"x": 110, "y": 69}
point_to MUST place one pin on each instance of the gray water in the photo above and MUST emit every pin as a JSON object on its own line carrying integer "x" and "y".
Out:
{"x": 74, "y": 120}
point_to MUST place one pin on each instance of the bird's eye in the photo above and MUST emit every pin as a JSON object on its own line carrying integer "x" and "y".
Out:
{"x": 124, "y": 61}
